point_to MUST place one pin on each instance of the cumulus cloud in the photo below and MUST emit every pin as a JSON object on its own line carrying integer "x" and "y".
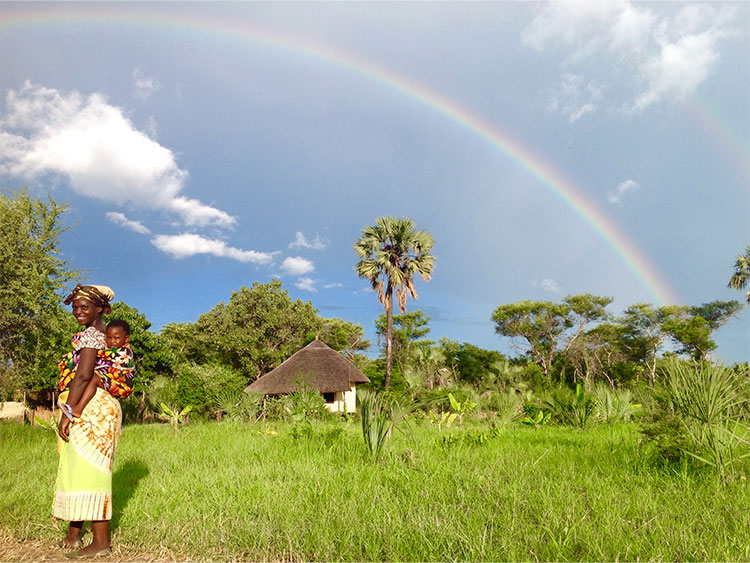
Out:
{"x": 296, "y": 266}
{"x": 306, "y": 284}
{"x": 615, "y": 196}
{"x": 188, "y": 244}
{"x": 300, "y": 241}
{"x": 96, "y": 147}
{"x": 144, "y": 85}
{"x": 666, "y": 56}
{"x": 120, "y": 219}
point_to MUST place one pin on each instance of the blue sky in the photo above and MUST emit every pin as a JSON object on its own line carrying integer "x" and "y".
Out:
{"x": 205, "y": 146}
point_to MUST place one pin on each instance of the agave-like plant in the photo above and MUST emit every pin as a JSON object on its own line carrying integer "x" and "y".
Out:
{"x": 379, "y": 417}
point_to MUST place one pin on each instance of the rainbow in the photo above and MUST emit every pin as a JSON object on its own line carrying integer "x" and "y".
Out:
{"x": 550, "y": 177}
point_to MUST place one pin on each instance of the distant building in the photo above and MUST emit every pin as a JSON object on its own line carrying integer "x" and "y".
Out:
{"x": 320, "y": 367}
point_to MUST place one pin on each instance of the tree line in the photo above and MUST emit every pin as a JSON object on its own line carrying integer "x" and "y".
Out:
{"x": 574, "y": 340}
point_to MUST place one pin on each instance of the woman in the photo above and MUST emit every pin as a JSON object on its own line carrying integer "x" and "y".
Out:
{"x": 84, "y": 478}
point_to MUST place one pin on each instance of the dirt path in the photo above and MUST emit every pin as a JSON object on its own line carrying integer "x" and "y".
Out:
{"x": 13, "y": 549}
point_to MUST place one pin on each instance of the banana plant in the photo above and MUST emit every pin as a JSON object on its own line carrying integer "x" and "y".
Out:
{"x": 174, "y": 415}
{"x": 446, "y": 418}
{"x": 460, "y": 409}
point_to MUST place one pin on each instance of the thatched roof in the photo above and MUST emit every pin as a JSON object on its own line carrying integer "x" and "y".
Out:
{"x": 316, "y": 365}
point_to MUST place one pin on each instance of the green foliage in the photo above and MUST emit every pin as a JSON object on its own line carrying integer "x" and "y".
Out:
{"x": 741, "y": 273}
{"x": 174, "y": 415}
{"x": 712, "y": 403}
{"x": 305, "y": 404}
{"x": 232, "y": 404}
{"x": 574, "y": 408}
{"x": 543, "y": 324}
{"x": 461, "y": 408}
{"x": 199, "y": 386}
{"x": 407, "y": 343}
{"x": 255, "y": 331}
{"x": 390, "y": 253}
{"x": 342, "y": 335}
{"x": 613, "y": 405}
{"x": 34, "y": 326}
{"x": 475, "y": 365}
{"x": 379, "y": 416}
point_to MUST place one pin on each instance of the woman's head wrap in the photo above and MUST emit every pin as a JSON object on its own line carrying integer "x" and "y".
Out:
{"x": 99, "y": 295}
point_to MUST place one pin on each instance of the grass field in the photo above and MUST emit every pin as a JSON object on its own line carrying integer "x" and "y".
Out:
{"x": 230, "y": 491}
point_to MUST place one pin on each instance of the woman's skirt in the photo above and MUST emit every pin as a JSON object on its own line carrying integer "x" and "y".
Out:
{"x": 84, "y": 477}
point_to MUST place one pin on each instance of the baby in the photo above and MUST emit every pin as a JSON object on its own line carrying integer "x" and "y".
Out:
{"x": 113, "y": 370}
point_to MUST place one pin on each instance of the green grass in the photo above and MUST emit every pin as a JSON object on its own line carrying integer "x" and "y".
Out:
{"x": 230, "y": 491}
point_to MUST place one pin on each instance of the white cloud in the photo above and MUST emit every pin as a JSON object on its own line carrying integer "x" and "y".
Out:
{"x": 120, "y": 219}
{"x": 575, "y": 98}
{"x": 333, "y": 285}
{"x": 296, "y": 266}
{"x": 658, "y": 57}
{"x": 306, "y": 284}
{"x": 615, "y": 196}
{"x": 144, "y": 85}
{"x": 550, "y": 285}
{"x": 301, "y": 242}
{"x": 187, "y": 244}
{"x": 95, "y": 146}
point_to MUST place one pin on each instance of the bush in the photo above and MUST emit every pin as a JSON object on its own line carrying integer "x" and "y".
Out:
{"x": 199, "y": 387}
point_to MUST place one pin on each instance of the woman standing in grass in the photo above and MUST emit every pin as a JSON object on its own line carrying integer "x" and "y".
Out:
{"x": 83, "y": 492}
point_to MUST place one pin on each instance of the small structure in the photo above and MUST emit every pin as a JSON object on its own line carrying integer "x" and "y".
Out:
{"x": 320, "y": 367}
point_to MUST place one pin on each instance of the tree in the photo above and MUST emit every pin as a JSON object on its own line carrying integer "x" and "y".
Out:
{"x": 544, "y": 323}
{"x": 408, "y": 330}
{"x": 343, "y": 336}
{"x": 34, "y": 326}
{"x": 691, "y": 327}
{"x": 256, "y": 330}
{"x": 741, "y": 274}
{"x": 390, "y": 253}
{"x": 643, "y": 333}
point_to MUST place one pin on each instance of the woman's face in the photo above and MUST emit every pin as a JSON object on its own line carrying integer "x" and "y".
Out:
{"x": 86, "y": 312}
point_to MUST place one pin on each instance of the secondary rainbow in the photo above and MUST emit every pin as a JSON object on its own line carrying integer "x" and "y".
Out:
{"x": 635, "y": 260}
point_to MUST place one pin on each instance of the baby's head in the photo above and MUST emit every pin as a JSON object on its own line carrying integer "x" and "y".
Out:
{"x": 118, "y": 333}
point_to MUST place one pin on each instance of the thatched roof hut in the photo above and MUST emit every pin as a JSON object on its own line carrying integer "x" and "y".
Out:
{"x": 315, "y": 365}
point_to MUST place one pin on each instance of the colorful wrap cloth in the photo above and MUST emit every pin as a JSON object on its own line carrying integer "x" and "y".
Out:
{"x": 83, "y": 491}
{"x": 114, "y": 366}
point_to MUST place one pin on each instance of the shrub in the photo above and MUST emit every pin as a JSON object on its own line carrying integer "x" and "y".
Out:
{"x": 612, "y": 405}
{"x": 199, "y": 386}
{"x": 574, "y": 408}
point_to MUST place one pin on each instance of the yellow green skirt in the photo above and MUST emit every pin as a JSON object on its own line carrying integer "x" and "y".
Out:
{"x": 83, "y": 491}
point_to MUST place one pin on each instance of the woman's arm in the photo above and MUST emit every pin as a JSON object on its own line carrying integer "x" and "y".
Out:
{"x": 84, "y": 373}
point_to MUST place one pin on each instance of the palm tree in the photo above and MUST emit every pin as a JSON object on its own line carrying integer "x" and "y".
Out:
{"x": 741, "y": 272}
{"x": 391, "y": 251}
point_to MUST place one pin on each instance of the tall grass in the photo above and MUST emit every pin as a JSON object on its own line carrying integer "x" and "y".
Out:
{"x": 233, "y": 491}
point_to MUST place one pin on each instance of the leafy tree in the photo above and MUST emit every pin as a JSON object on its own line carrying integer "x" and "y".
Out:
{"x": 255, "y": 331}
{"x": 741, "y": 273}
{"x": 543, "y": 324}
{"x": 390, "y": 253}
{"x": 690, "y": 328}
{"x": 644, "y": 334}
{"x": 470, "y": 363}
{"x": 408, "y": 330}
{"x": 34, "y": 326}
{"x": 343, "y": 336}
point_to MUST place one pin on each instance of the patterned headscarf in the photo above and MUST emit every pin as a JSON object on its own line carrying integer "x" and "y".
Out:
{"x": 99, "y": 295}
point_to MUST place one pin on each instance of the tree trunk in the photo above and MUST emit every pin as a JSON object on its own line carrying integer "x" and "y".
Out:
{"x": 388, "y": 335}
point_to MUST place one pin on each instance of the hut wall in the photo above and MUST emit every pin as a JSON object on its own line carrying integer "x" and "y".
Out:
{"x": 344, "y": 401}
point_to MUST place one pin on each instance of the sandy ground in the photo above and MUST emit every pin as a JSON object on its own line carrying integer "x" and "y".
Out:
{"x": 13, "y": 549}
